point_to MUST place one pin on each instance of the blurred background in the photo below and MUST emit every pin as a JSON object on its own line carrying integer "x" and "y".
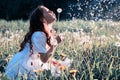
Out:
{"x": 82, "y": 9}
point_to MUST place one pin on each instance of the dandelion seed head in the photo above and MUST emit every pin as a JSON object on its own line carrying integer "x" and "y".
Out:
{"x": 117, "y": 44}
{"x": 59, "y": 10}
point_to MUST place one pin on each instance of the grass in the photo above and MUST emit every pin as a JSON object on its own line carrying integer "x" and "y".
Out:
{"x": 93, "y": 46}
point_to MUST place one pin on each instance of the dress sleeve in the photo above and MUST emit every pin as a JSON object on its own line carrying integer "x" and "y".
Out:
{"x": 39, "y": 42}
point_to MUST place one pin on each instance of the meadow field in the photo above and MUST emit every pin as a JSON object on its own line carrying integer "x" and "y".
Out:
{"x": 94, "y": 47}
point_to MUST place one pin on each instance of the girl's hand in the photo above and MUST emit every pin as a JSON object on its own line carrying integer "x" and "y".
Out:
{"x": 55, "y": 40}
{"x": 59, "y": 38}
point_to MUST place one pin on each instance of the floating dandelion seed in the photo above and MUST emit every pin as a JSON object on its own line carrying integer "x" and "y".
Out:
{"x": 59, "y": 10}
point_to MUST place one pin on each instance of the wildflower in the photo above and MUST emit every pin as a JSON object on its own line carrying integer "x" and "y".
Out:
{"x": 62, "y": 67}
{"x": 118, "y": 37}
{"x": 81, "y": 30}
{"x": 63, "y": 55}
{"x": 7, "y": 32}
{"x": 85, "y": 39}
{"x": 0, "y": 35}
{"x": 115, "y": 57}
{"x": 21, "y": 31}
{"x": 55, "y": 63}
{"x": 59, "y": 10}
{"x": 2, "y": 40}
{"x": 112, "y": 36}
{"x": 103, "y": 37}
{"x": 73, "y": 71}
{"x": 76, "y": 35}
{"x": 38, "y": 70}
{"x": 117, "y": 44}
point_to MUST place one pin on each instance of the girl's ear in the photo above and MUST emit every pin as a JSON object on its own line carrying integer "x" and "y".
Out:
{"x": 43, "y": 20}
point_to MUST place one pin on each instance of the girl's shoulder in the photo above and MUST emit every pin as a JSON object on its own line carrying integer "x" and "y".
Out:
{"x": 38, "y": 33}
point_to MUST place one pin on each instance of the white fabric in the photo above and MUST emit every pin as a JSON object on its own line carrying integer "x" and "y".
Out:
{"x": 21, "y": 61}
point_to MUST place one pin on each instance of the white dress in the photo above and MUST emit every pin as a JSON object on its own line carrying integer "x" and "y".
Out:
{"x": 25, "y": 63}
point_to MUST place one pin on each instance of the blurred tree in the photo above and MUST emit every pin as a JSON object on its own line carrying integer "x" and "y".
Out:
{"x": 83, "y": 9}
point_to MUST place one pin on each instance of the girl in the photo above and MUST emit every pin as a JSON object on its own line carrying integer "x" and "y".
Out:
{"x": 37, "y": 46}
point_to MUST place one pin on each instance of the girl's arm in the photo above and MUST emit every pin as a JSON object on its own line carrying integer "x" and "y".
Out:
{"x": 44, "y": 57}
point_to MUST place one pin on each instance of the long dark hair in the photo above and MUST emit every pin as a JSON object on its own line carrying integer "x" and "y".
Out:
{"x": 35, "y": 25}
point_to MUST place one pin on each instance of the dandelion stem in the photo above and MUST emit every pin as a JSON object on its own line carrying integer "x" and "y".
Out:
{"x": 117, "y": 51}
{"x": 58, "y": 23}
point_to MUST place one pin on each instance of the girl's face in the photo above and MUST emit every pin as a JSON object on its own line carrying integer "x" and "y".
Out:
{"x": 48, "y": 15}
{"x": 51, "y": 30}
